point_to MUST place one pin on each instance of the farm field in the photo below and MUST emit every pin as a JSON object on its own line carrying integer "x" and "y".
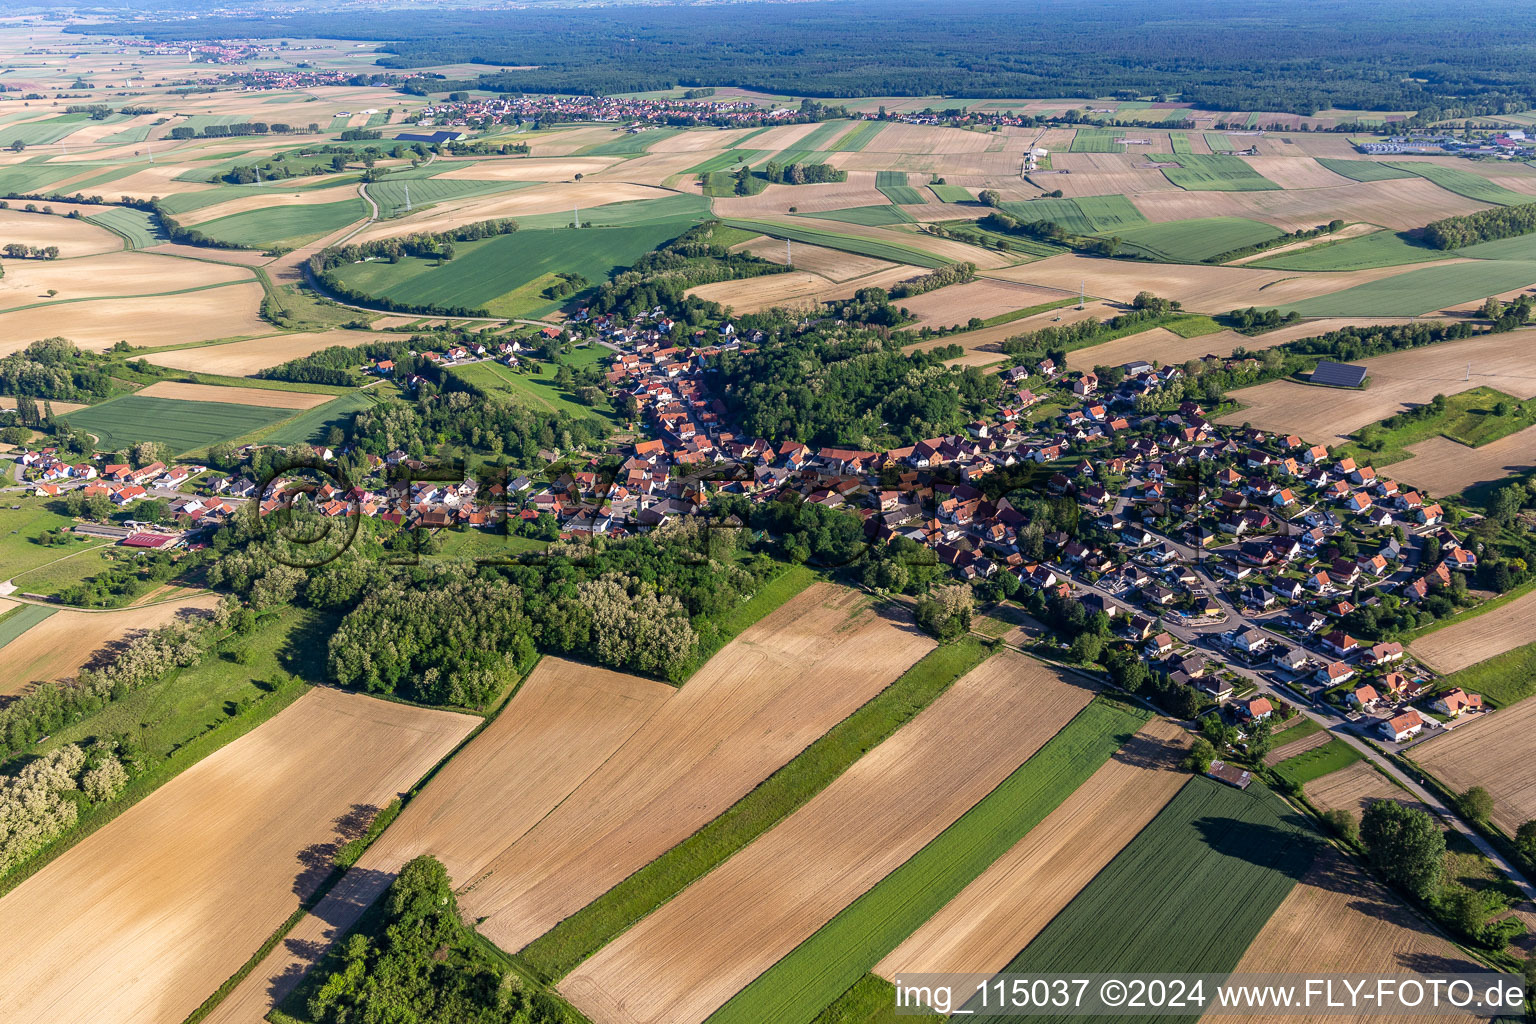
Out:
{"x": 1494, "y": 751}
{"x": 798, "y": 289}
{"x": 1464, "y": 183}
{"x": 1293, "y": 742}
{"x": 180, "y": 424}
{"x": 1217, "y": 172}
{"x": 1478, "y": 638}
{"x": 164, "y": 903}
{"x": 783, "y": 682}
{"x": 65, "y": 641}
{"x": 984, "y": 298}
{"x": 521, "y": 201}
{"x": 565, "y": 720}
{"x": 314, "y": 425}
{"x": 1353, "y": 787}
{"x": 243, "y": 358}
{"x": 1422, "y": 291}
{"x": 1097, "y": 140}
{"x": 1397, "y": 380}
{"x": 26, "y": 283}
{"x": 73, "y": 237}
{"x": 1000, "y": 912}
{"x": 225, "y": 312}
{"x": 1084, "y": 216}
{"x": 1442, "y": 466}
{"x": 273, "y": 398}
{"x": 1194, "y": 240}
{"x": 920, "y": 252}
{"x": 1220, "y": 860}
{"x": 893, "y": 185}
{"x": 284, "y": 225}
{"x": 867, "y": 215}
{"x": 1365, "y": 170}
{"x": 1340, "y": 916}
{"x": 1313, "y": 763}
{"x": 831, "y": 264}
{"x": 797, "y": 876}
{"x": 1380, "y": 249}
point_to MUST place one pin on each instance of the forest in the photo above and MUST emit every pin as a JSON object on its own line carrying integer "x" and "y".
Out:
{"x": 1265, "y": 55}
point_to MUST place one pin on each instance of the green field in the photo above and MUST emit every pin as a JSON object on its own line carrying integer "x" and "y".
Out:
{"x": 197, "y": 122}
{"x": 728, "y": 160}
{"x": 827, "y": 964}
{"x": 311, "y": 426}
{"x": 1180, "y": 142}
{"x": 20, "y": 529}
{"x": 1364, "y": 170}
{"x": 138, "y": 133}
{"x": 534, "y": 388}
{"x": 1379, "y": 249}
{"x": 180, "y": 425}
{"x": 1521, "y": 247}
{"x": 1189, "y": 893}
{"x": 1190, "y": 241}
{"x": 952, "y": 193}
{"x": 867, "y": 215}
{"x": 1317, "y": 762}
{"x": 139, "y": 226}
{"x": 20, "y": 179}
{"x": 390, "y": 194}
{"x": 579, "y": 936}
{"x": 858, "y": 137}
{"x": 1218, "y": 142}
{"x": 1422, "y": 291}
{"x": 285, "y": 225}
{"x": 1097, "y": 140}
{"x": 1503, "y": 679}
{"x": 1086, "y": 216}
{"x": 808, "y": 148}
{"x": 1218, "y": 172}
{"x": 506, "y": 274}
{"x": 20, "y": 619}
{"x": 1467, "y": 418}
{"x": 893, "y": 185}
{"x": 1465, "y": 183}
{"x": 49, "y": 579}
{"x": 881, "y": 250}
{"x": 48, "y": 131}
{"x": 629, "y": 145}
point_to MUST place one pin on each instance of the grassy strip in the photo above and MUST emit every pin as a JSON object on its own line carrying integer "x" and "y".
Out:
{"x": 558, "y": 951}
{"x": 843, "y": 950}
{"x": 1315, "y": 763}
{"x": 1503, "y": 680}
{"x": 141, "y": 786}
{"x": 789, "y": 582}
{"x": 871, "y": 1000}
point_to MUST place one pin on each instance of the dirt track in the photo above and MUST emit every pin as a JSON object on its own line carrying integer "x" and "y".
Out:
{"x": 684, "y": 961}
{"x": 141, "y": 921}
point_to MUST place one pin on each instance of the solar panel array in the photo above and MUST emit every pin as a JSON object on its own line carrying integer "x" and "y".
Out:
{"x": 1338, "y": 375}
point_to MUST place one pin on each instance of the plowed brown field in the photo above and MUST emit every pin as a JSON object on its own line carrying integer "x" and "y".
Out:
{"x": 1496, "y": 751}
{"x": 1479, "y": 638}
{"x": 1354, "y": 787}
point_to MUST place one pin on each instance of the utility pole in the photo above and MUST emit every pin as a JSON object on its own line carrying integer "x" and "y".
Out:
{"x": 407, "y": 197}
{"x": 1082, "y": 293}
{"x": 576, "y": 216}
{"x": 789, "y": 254}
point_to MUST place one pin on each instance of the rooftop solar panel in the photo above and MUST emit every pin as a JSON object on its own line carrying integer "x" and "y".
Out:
{"x": 1338, "y": 375}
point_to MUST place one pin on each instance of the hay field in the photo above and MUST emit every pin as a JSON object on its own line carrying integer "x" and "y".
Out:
{"x": 1101, "y": 174}
{"x": 564, "y": 722}
{"x": 145, "y": 918}
{"x": 1397, "y": 380}
{"x": 685, "y": 960}
{"x": 108, "y": 275}
{"x": 1295, "y": 172}
{"x": 988, "y": 340}
{"x": 69, "y": 640}
{"x": 1442, "y": 466}
{"x": 998, "y": 914}
{"x": 266, "y": 199}
{"x": 752, "y": 707}
{"x": 148, "y": 321}
{"x": 1353, "y": 788}
{"x": 526, "y": 168}
{"x": 1495, "y": 751}
{"x": 243, "y": 358}
{"x": 270, "y": 399}
{"x": 983, "y": 298}
{"x": 544, "y": 198}
{"x": 797, "y": 288}
{"x": 1479, "y": 638}
{"x": 73, "y": 237}
{"x": 1339, "y": 919}
{"x": 1399, "y": 204}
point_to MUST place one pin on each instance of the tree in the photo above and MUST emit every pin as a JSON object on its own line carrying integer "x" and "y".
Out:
{"x": 990, "y": 197}
{"x": 1343, "y": 824}
{"x": 1086, "y": 648}
{"x": 1201, "y": 754}
{"x": 1525, "y": 841}
{"x": 17, "y": 146}
{"x": 1476, "y": 803}
{"x": 1405, "y": 845}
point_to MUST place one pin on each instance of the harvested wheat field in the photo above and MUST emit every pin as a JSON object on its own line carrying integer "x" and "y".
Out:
{"x": 1442, "y": 466}
{"x": 148, "y": 321}
{"x": 999, "y": 913}
{"x": 69, "y": 640}
{"x": 1398, "y": 380}
{"x": 1354, "y": 787}
{"x": 73, "y": 237}
{"x": 984, "y": 298}
{"x": 752, "y": 707}
{"x": 527, "y": 168}
{"x": 557, "y": 197}
{"x": 268, "y": 198}
{"x": 1497, "y": 751}
{"x": 564, "y": 722}
{"x": 1479, "y": 638}
{"x": 832, "y": 264}
{"x": 141, "y": 921}
{"x": 988, "y": 340}
{"x": 1399, "y": 204}
{"x": 243, "y": 358}
{"x": 156, "y": 181}
{"x": 1296, "y": 172}
{"x": 270, "y": 399}
{"x": 684, "y": 961}
{"x": 1338, "y": 919}
{"x": 1100, "y": 174}
{"x": 796, "y": 288}
{"x": 111, "y": 274}
{"x": 7, "y": 402}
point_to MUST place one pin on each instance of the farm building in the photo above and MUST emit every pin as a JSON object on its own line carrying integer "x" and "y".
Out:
{"x": 1338, "y": 375}
{"x": 1231, "y": 774}
{"x": 437, "y": 138}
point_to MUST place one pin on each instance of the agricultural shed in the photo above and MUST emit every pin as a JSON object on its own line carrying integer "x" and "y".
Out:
{"x": 1338, "y": 375}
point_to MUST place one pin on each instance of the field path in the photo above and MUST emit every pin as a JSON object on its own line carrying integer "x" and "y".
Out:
{"x": 142, "y": 920}
{"x": 687, "y": 959}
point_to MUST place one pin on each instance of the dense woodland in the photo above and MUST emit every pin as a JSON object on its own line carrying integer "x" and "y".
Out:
{"x": 1266, "y": 55}
{"x": 1482, "y": 226}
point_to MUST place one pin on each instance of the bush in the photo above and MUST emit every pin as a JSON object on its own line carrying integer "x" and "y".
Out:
{"x": 1476, "y": 803}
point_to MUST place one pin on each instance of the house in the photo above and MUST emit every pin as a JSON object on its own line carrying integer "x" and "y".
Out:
{"x": 1454, "y": 702}
{"x": 1218, "y": 688}
{"x": 1257, "y": 709}
{"x": 1363, "y": 695}
{"x": 1334, "y": 673}
{"x": 1383, "y": 653}
{"x": 1340, "y": 642}
{"x": 1403, "y": 726}
{"x": 1250, "y": 641}
{"x": 1159, "y": 645}
{"x": 1292, "y": 659}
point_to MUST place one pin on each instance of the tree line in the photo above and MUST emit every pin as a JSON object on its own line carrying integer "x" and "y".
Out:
{"x": 1482, "y": 226}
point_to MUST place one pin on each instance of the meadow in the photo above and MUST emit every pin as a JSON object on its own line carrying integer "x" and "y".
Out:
{"x": 893, "y": 185}
{"x": 1319, "y": 761}
{"x": 289, "y": 226}
{"x": 844, "y": 949}
{"x": 180, "y": 425}
{"x": 533, "y": 386}
{"x": 1203, "y": 879}
{"x": 20, "y": 528}
{"x": 1422, "y": 291}
{"x": 1218, "y": 172}
{"x": 1468, "y": 418}
{"x": 1190, "y": 241}
{"x": 1378, "y": 249}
